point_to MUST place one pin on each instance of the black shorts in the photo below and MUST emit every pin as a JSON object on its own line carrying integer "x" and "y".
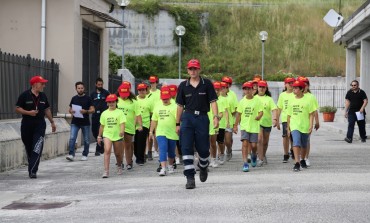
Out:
{"x": 221, "y": 136}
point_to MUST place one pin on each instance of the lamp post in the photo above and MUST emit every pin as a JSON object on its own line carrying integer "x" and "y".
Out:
{"x": 123, "y": 4}
{"x": 180, "y": 31}
{"x": 263, "y": 37}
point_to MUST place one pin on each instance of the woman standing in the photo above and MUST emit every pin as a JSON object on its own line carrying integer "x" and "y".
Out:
{"x": 266, "y": 121}
{"x": 128, "y": 104}
{"x": 112, "y": 128}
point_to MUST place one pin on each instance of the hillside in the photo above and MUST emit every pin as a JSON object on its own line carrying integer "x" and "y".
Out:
{"x": 227, "y": 42}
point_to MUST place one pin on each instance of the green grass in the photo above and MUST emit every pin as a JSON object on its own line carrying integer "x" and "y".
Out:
{"x": 299, "y": 41}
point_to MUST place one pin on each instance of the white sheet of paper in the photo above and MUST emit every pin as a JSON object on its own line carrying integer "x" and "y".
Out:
{"x": 77, "y": 109}
{"x": 360, "y": 116}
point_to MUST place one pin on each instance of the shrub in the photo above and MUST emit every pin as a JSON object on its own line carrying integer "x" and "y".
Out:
{"x": 324, "y": 109}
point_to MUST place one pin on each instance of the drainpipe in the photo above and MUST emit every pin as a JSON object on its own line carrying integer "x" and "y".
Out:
{"x": 43, "y": 28}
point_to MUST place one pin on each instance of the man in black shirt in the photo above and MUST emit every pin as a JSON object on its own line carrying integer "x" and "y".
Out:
{"x": 356, "y": 101}
{"x": 98, "y": 99}
{"x": 80, "y": 107}
{"x": 34, "y": 106}
{"x": 194, "y": 98}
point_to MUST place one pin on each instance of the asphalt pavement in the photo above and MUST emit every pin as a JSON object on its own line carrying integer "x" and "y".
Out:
{"x": 336, "y": 188}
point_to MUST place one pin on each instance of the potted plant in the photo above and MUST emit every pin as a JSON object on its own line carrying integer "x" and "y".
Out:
{"x": 328, "y": 113}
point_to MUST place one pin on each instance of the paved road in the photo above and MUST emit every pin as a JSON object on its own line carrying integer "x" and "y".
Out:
{"x": 335, "y": 189}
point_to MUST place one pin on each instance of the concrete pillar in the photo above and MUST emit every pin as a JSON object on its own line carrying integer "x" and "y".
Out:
{"x": 351, "y": 55}
{"x": 365, "y": 66}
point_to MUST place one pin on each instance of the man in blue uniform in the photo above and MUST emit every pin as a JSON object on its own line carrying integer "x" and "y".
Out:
{"x": 98, "y": 99}
{"x": 33, "y": 105}
{"x": 194, "y": 98}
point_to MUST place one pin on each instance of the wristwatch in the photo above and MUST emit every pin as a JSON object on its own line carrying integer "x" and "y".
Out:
{"x": 218, "y": 117}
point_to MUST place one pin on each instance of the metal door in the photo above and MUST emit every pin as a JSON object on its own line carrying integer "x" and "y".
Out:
{"x": 91, "y": 58}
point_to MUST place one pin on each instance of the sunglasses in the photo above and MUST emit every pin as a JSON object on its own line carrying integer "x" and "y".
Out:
{"x": 192, "y": 68}
{"x": 353, "y": 85}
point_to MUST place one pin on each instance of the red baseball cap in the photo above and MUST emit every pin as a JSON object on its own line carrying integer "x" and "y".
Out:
{"x": 217, "y": 85}
{"x": 227, "y": 80}
{"x": 165, "y": 93}
{"x": 247, "y": 85}
{"x": 256, "y": 80}
{"x": 141, "y": 86}
{"x": 224, "y": 84}
{"x": 111, "y": 97}
{"x": 194, "y": 63}
{"x": 153, "y": 79}
{"x": 298, "y": 83}
{"x": 262, "y": 83}
{"x": 124, "y": 89}
{"x": 289, "y": 79}
{"x": 173, "y": 89}
{"x": 37, "y": 79}
{"x": 303, "y": 79}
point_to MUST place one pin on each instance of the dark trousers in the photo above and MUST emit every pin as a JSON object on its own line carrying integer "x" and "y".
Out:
{"x": 32, "y": 134}
{"x": 95, "y": 125}
{"x": 352, "y": 119}
{"x": 140, "y": 144}
{"x": 194, "y": 131}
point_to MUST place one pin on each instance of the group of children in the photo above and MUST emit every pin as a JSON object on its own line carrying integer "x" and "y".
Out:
{"x": 132, "y": 123}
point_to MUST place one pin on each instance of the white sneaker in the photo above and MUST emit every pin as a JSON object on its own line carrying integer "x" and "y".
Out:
{"x": 162, "y": 172}
{"x": 70, "y": 157}
{"x": 171, "y": 170}
{"x": 177, "y": 160}
{"x": 229, "y": 156}
{"x": 259, "y": 163}
{"x": 119, "y": 170}
{"x": 265, "y": 161}
{"x": 155, "y": 154}
{"x": 308, "y": 162}
{"x": 213, "y": 163}
{"x": 84, "y": 158}
{"x": 105, "y": 174}
{"x": 222, "y": 159}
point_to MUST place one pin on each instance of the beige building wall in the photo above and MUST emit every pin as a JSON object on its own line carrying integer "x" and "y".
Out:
{"x": 20, "y": 33}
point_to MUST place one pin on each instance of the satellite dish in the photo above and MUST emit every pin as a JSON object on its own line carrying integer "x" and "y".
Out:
{"x": 333, "y": 19}
{"x": 180, "y": 30}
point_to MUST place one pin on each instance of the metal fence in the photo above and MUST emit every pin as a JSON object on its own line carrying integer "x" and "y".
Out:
{"x": 15, "y": 73}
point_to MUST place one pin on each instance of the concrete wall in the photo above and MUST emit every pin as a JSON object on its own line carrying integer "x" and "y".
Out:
{"x": 12, "y": 152}
{"x": 144, "y": 35}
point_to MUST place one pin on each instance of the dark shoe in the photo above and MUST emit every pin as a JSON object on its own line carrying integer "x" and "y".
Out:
{"x": 129, "y": 166}
{"x": 159, "y": 168}
{"x": 203, "y": 174}
{"x": 286, "y": 158}
{"x": 363, "y": 140}
{"x": 97, "y": 154}
{"x": 296, "y": 167}
{"x": 33, "y": 175}
{"x": 303, "y": 164}
{"x": 150, "y": 156}
{"x": 292, "y": 154}
{"x": 348, "y": 140}
{"x": 175, "y": 165}
{"x": 190, "y": 184}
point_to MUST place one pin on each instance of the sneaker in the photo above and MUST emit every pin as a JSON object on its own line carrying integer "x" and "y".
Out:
{"x": 303, "y": 164}
{"x": 190, "y": 184}
{"x": 150, "y": 156}
{"x": 105, "y": 174}
{"x": 159, "y": 168}
{"x": 246, "y": 167}
{"x": 171, "y": 170}
{"x": 163, "y": 172}
{"x": 229, "y": 156}
{"x": 119, "y": 170}
{"x": 84, "y": 158}
{"x": 33, "y": 175}
{"x": 249, "y": 158}
{"x": 213, "y": 163}
{"x": 292, "y": 154}
{"x": 296, "y": 167}
{"x": 348, "y": 140}
{"x": 129, "y": 166}
{"x": 174, "y": 165}
{"x": 254, "y": 160}
{"x": 203, "y": 175}
{"x": 222, "y": 159}
{"x": 97, "y": 154}
{"x": 155, "y": 154}
{"x": 363, "y": 140}
{"x": 308, "y": 162}
{"x": 177, "y": 160}
{"x": 259, "y": 163}
{"x": 70, "y": 157}
{"x": 265, "y": 161}
{"x": 286, "y": 158}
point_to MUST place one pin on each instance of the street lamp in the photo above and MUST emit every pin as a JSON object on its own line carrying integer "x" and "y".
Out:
{"x": 180, "y": 31}
{"x": 263, "y": 37}
{"x": 123, "y": 4}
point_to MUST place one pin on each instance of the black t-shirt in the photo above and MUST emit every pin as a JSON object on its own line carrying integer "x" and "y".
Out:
{"x": 356, "y": 100}
{"x": 85, "y": 102}
{"x": 98, "y": 100}
{"x": 28, "y": 101}
{"x": 196, "y": 99}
